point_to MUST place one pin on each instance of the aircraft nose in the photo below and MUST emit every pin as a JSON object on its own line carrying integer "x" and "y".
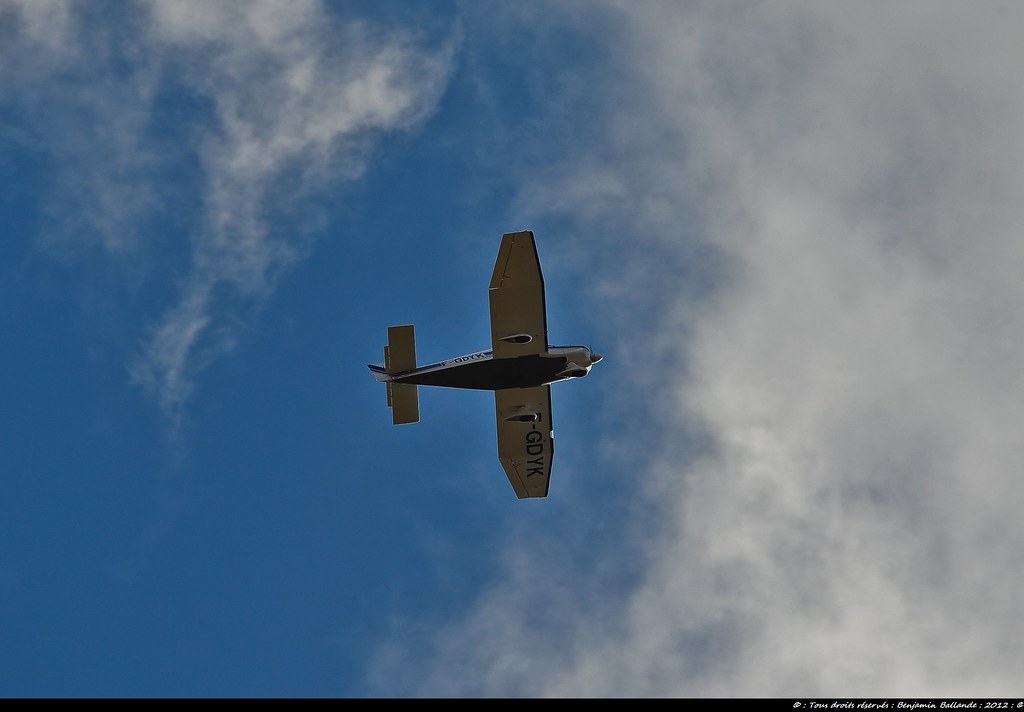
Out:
{"x": 594, "y": 358}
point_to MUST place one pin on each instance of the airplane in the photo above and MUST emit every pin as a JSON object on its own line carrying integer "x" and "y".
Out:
{"x": 519, "y": 367}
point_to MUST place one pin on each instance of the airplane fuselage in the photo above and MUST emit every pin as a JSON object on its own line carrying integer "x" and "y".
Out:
{"x": 481, "y": 371}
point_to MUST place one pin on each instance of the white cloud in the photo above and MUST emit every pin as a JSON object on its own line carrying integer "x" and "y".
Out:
{"x": 294, "y": 93}
{"x": 35, "y": 26}
{"x": 853, "y": 528}
{"x": 284, "y": 98}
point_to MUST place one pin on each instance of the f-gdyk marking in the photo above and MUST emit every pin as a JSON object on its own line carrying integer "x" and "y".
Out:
{"x": 535, "y": 446}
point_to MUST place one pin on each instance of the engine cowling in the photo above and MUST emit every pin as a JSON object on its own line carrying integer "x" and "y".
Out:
{"x": 573, "y": 370}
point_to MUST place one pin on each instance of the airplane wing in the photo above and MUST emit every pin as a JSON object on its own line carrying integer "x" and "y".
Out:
{"x": 526, "y": 443}
{"x": 519, "y": 325}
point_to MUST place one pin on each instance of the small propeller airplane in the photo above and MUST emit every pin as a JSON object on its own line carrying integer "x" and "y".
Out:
{"x": 519, "y": 367}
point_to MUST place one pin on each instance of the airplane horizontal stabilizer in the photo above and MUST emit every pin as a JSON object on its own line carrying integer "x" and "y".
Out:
{"x": 404, "y": 399}
{"x": 399, "y": 357}
{"x": 400, "y": 353}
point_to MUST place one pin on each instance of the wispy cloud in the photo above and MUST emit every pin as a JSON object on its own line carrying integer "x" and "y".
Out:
{"x": 283, "y": 99}
{"x": 293, "y": 93}
{"x": 851, "y": 527}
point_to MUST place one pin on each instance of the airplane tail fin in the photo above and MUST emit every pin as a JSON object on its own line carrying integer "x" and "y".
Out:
{"x": 400, "y": 356}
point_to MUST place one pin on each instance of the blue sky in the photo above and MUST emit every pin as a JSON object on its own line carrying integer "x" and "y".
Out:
{"x": 791, "y": 228}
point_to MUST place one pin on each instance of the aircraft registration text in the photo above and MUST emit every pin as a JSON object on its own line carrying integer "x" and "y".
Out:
{"x": 535, "y": 449}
